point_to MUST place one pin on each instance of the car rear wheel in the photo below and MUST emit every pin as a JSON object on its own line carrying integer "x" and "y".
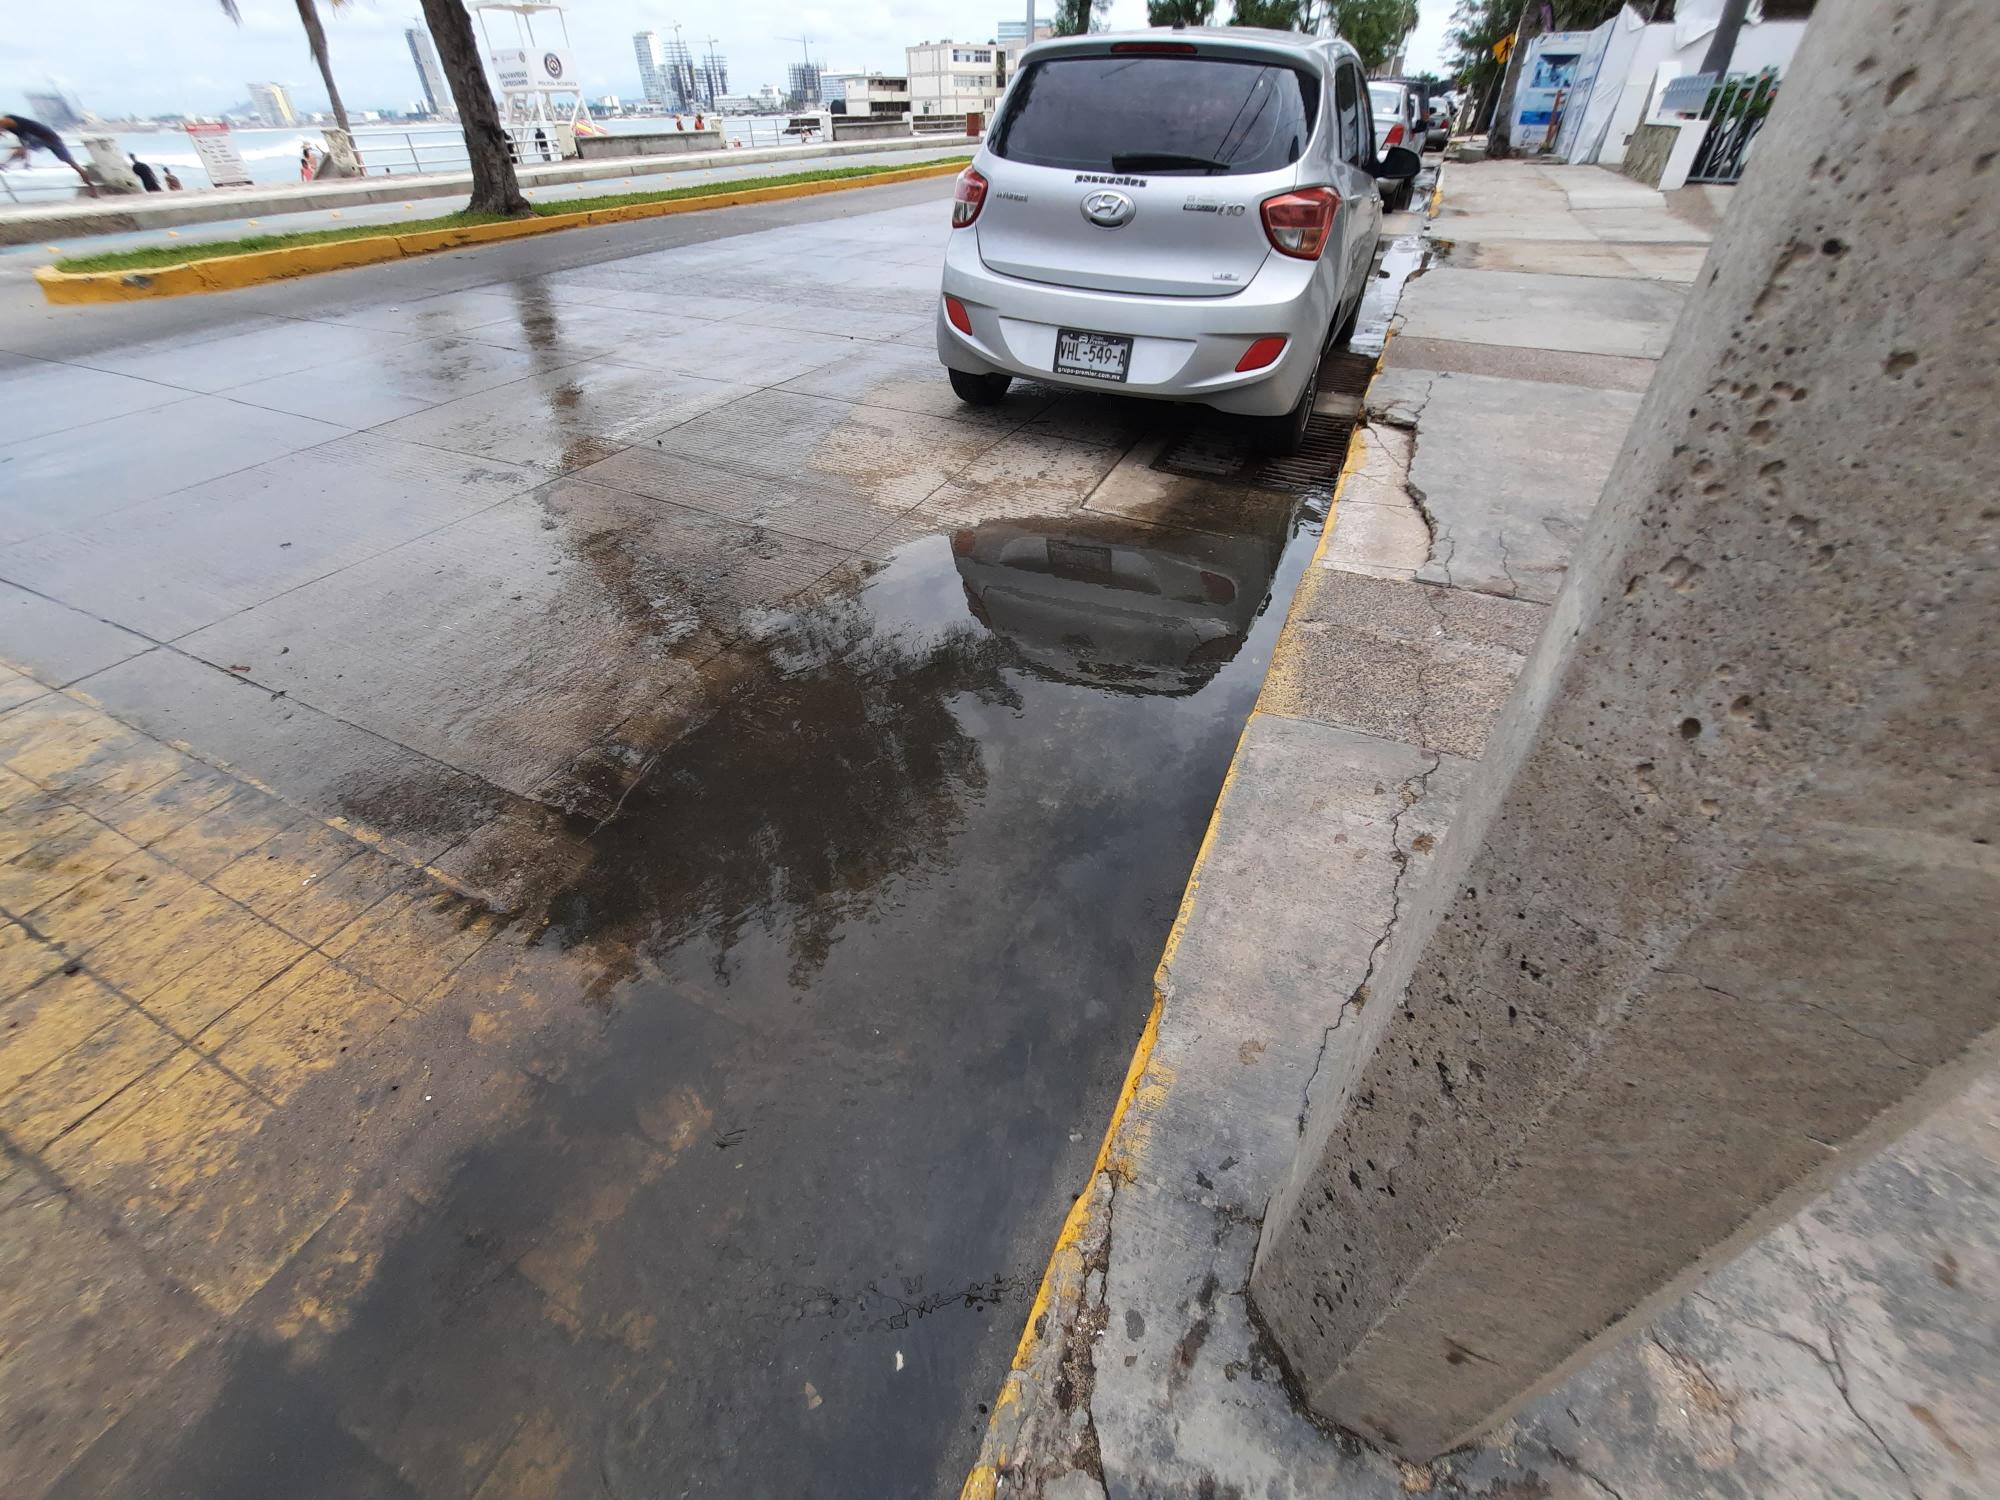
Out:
{"x": 1346, "y": 329}
{"x": 979, "y": 390}
{"x": 1282, "y": 436}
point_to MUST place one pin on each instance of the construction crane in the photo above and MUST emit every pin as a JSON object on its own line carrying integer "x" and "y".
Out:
{"x": 714, "y": 72}
{"x": 805, "y": 52}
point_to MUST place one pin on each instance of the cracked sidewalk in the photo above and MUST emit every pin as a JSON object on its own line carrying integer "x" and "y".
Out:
{"x": 1497, "y": 411}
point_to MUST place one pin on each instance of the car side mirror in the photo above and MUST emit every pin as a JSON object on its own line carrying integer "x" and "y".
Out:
{"x": 1398, "y": 164}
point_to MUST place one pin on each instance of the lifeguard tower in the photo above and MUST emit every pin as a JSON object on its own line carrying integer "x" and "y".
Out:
{"x": 535, "y": 72}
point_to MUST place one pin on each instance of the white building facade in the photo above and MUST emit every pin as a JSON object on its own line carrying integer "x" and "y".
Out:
{"x": 955, "y": 78}
{"x": 873, "y": 94}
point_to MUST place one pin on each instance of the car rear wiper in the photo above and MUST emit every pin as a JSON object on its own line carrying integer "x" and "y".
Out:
{"x": 1164, "y": 161}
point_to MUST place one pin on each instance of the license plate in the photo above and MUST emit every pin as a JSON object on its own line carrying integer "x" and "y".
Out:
{"x": 1096, "y": 356}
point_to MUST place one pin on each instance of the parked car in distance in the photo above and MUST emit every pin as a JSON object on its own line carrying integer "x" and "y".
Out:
{"x": 1440, "y": 107}
{"x": 1189, "y": 215}
{"x": 1398, "y": 122}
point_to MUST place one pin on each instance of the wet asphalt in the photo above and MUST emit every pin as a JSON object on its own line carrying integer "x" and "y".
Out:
{"x": 832, "y": 754}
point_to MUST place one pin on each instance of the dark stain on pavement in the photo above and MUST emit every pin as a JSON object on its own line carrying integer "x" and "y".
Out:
{"x": 876, "y": 903}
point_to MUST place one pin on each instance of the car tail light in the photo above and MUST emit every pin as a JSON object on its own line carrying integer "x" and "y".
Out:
{"x": 955, "y": 310}
{"x": 1173, "y": 49}
{"x": 1297, "y": 224}
{"x": 968, "y": 199}
{"x": 1395, "y": 137}
{"x": 1261, "y": 353}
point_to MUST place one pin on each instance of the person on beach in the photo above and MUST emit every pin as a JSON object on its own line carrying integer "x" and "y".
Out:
{"x": 308, "y": 164}
{"x": 173, "y": 183}
{"x": 677, "y": 123}
{"x": 145, "y": 175}
{"x": 33, "y": 135}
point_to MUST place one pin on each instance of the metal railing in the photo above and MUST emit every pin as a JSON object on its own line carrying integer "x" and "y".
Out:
{"x": 442, "y": 149}
{"x": 1736, "y": 109}
{"x": 391, "y": 153}
{"x": 23, "y": 192}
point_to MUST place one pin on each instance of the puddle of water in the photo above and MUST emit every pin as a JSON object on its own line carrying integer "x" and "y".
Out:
{"x": 945, "y": 710}
{"x": 879, "y": 923}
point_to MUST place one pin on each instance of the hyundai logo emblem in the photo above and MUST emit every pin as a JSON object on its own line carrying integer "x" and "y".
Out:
{"x": 1108, "y": 210}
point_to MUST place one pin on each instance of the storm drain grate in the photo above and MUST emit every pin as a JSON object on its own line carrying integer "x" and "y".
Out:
{"x": 1215, "y": 447}
{"x": 1346, "y": 374}
{"x": 1212, "y": 450}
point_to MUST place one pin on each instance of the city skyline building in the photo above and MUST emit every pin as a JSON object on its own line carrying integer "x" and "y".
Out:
{"x": 652, "y": 68}
{"x": 53, "y": 109}
{"x": 272, "y": 104}
{"x": 430, "y": 73}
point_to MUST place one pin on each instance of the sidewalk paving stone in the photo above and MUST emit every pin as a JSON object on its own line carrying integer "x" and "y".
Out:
{"x": 173, "y": 564}
{"x": 58, "y": 479}
{"x": 1578, "y": 314}
{"x": 567, "y": 419}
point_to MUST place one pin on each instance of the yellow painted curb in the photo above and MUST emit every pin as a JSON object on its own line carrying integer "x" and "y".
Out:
{"x": 225, "y": 273}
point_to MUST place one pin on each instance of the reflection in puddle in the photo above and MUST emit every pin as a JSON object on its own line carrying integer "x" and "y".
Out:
{"x": 835, "y": 751}
{"x": 1114, "y": 606}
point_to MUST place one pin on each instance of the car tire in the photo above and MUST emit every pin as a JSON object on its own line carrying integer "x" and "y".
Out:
{"x": 1346, "y": 329}
{"x": 1281, "y": 437}
{"x": 979, "y": 390}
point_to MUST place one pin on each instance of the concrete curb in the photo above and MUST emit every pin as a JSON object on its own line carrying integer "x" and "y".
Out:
{"x": 226, "y": 273}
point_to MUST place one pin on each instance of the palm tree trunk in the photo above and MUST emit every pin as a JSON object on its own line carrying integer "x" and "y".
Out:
{"x": 316, "y": 40}
{"x": 494, "y": 187}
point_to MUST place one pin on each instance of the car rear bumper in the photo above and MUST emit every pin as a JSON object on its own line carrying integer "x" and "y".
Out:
{"x": 1183, "y": 349}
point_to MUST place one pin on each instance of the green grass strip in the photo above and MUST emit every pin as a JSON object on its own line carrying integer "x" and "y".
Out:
{"x": 153, "y": 256}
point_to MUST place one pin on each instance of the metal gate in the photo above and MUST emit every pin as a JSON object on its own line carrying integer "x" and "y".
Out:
{"x": 1736, "y": 109}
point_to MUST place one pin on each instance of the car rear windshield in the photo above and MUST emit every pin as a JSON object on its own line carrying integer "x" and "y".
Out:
{"x": 1200, "y": 115}
{"x": 1385, "y": 101}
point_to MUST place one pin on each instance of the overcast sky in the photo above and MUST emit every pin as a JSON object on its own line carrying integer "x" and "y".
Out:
{"x": 184, "y": 56}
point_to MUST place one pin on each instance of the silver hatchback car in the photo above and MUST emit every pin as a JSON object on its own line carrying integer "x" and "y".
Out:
{"x": 1189, "y": 215}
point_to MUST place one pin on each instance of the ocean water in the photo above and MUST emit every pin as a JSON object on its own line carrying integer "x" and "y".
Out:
{"x": 272, "y": 156}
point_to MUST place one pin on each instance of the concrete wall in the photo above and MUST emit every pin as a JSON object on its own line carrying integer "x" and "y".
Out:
{"x": 880, "y": 128}
{"x": 664, "y": 143}
{"x": 1717, "y": 918}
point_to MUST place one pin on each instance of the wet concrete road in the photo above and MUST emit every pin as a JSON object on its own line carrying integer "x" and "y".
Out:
{"x": 725, "y": 798}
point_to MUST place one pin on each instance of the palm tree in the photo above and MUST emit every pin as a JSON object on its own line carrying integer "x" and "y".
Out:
{"x": 316, "y": 41}
{"x": 1074, "y": 17}
{"x": 1277, "y": 15}
{"x": 495, "y": 189}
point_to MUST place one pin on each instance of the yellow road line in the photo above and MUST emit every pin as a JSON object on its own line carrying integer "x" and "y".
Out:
{"x": 225, "y": 273}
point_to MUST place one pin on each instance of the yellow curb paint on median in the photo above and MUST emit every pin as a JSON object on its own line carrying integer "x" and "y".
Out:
{"x": 225, "y": 273}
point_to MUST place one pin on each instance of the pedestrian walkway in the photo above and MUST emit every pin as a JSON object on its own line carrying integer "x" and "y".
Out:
{"x": 1846, "y": 1354}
